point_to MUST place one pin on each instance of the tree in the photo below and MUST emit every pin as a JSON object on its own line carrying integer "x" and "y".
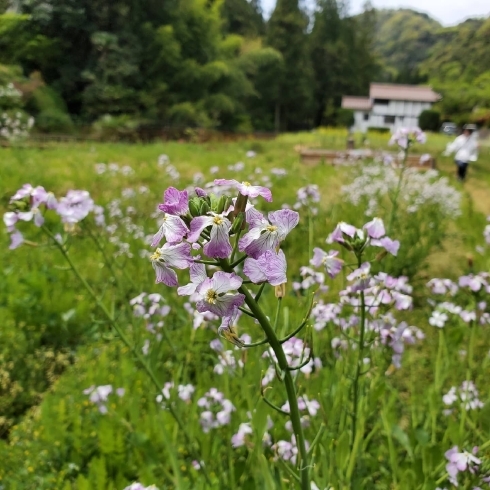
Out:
{"x": 286, "y": 32}
{"x": 243, "y": 17}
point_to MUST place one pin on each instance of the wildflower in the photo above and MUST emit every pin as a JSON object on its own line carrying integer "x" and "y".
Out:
{"x": 391, "y": 246}
{"x": 175, "y": 202}
{"x": 438, "y": 319}
{"x": 460, "y": 462}
{"x": 99, "y": 395}
{"x": 215, "y": 294}
{"x": 198, "y": 275}
{"x": 329, "y": 260}
{"x": 75, "y": 206}
{"x": 247, "y": 189}
{"x": 238, "y": 439}
{"x": 218, "y": 245}
{"x": 269, "y": 267}
{"x": 168, "y": 256}
{"x": 342, "y": 230}
{"x": 375, "y": 228}
{"x": 173, "y": 228}
{"x": 217, "y": 411}
{"x": 361, "y": 277}
{"x": 264, "y": 235}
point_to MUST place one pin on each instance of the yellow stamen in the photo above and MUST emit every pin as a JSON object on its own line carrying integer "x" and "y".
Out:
{"x": 217, "y": 220}
{"x": 211, "y": 296}
{"x": 157, "y": 255}
{"x": 271, "y": 228}
{"x": 248, "y": 184}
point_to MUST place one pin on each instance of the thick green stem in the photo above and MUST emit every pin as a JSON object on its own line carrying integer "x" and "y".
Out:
{"x": 288, "y": 381}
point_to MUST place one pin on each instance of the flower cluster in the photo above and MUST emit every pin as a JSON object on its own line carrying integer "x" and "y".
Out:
{"x": 309, "y": 408}
{"x": 307, "y": 197}
{"x": 113, "y": 169}
{"x": 404, "y": 137}
{"x": 353, "y": 239}
{"x": 462, "y": 462}
{"x": 418, "y": 190}
{"x": 245, "y": 429}
{"x": 152, "y": 308}
{"x": 99, "y": 395}
{"x": 466, "y": 396}
{"x": 205, "y": 224}
{"x": 15, "y": 125}
{"x": 170, "y": 170}
{"x": 184, "y": 392}
{"x": 216, "y": 412}
{"x": 473, "y": 286}
{"x": 287, "y": 450}
{"x": 309, "y": 279}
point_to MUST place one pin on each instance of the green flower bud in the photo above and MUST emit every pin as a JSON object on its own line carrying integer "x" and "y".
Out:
{"x": 194, "y": 206}
{"x": 237, "y": 224}
{"x": 204, "y": 209}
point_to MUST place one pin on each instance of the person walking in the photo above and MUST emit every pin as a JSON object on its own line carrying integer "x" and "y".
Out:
{"x": 465, "y": 147}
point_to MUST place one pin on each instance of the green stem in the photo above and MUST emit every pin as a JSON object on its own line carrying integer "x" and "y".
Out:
{"x": 469, "y": 369}
{"x": 278, "y": 310}
{"x": 357, "y": 394}
{"x": 288, "y": 381}
{"x": 397, "y": 191}
{"x": 122, "y": 335}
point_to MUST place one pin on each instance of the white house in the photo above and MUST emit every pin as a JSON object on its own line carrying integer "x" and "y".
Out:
{"x": 390, "y": 106}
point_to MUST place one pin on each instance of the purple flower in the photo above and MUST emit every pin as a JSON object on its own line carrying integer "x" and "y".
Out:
{"x": 246, "y": 188}
{"x": 215, "y": 294}
{"x": 361, "y": 277}
{"x": 173, "y": 228}
{"x": 16, "y": 239}
{"x": 264, "y": 236}
{"x": 473, "y": 282}
{"x": 178, "y": 256}
{"x": 175, "y": 202}
{"x": 375, "y": 228}
{"x": 329, "y": 260}
{"x": 391, "y": 246}
{"x": 238, "y": 439}
{"x": 198, "y": 275}
{"x": 459, "y": 462}
{"x": 269, "y": 267}
{"x": 219, "y": 243}
{"x": 75, "y": 206}
{"x": 200, "y": 192}
{"x": 341, "y": 230}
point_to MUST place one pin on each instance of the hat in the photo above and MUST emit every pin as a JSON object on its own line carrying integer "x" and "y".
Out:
{"x": 470, "y": 127}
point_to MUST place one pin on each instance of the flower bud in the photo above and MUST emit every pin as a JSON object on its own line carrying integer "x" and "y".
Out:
{"x": 20, "y": 205}
{"x": 194, "y": 206}
{"x": 240, "y": 204}
{"x": 280, "y": 291}
{"x": 237, "y": 224}
{"x": 204, "y": 209}
{"x": 381, "y": 255}
{"x": 221, "y": 204}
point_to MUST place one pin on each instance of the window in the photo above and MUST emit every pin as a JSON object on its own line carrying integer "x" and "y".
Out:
{"x": 389, "y": 119}
{"x": 366, "y": 116}
{"x": 381, "y": 101}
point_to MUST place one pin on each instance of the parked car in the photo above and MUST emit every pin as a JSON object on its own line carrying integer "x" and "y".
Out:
{"x": 449, "y": 128}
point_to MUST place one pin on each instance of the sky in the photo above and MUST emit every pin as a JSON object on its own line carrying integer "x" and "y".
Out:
{"x": 447, "y": 12}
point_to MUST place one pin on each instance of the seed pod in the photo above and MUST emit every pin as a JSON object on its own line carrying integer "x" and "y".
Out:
{"x": 194, "y": 206}
{"x": 237, "y": 224}
{"x": 204, "y": 209}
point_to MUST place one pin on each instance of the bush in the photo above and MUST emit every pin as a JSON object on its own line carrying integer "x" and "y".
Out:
{"x": 429, "y": 120}
{"x": 345, "y": 118}
{"x": 378, "y": 130}
{"x": 116, "y": 127}
{"x": 52, "y": 120}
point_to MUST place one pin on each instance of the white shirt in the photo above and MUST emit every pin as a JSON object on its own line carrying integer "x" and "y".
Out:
{"x": 466, "y": 148}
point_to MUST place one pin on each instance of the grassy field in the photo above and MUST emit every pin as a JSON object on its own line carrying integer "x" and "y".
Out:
{"x": 56, "y": 342}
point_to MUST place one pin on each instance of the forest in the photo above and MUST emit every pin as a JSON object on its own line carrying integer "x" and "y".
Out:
{"x": 220, "y": 64}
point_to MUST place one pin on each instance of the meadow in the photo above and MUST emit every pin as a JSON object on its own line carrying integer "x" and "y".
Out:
{"x": 108, "y": 378}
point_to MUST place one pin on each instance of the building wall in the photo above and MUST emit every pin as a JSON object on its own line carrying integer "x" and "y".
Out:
{"x": 405, "y": 113}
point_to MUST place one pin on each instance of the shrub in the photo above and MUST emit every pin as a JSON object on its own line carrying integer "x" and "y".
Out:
{"x": 345, "y": 118}
{"x": 52, "y": 120}
{"x": 429, "y": 120}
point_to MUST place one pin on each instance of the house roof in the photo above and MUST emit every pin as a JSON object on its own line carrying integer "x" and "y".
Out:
{"x": 391, "y": 91}
{"x": 356, "y": 103}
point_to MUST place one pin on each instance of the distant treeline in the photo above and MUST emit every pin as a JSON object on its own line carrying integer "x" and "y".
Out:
{"x": 219, "y": 64}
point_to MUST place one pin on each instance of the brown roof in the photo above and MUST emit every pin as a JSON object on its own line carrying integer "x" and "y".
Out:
{"x": 356, "y": 103}
{"x": 402, "y": 92}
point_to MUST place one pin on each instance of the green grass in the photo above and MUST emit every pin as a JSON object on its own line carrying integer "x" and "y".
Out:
{"x": 54, "y": 342}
